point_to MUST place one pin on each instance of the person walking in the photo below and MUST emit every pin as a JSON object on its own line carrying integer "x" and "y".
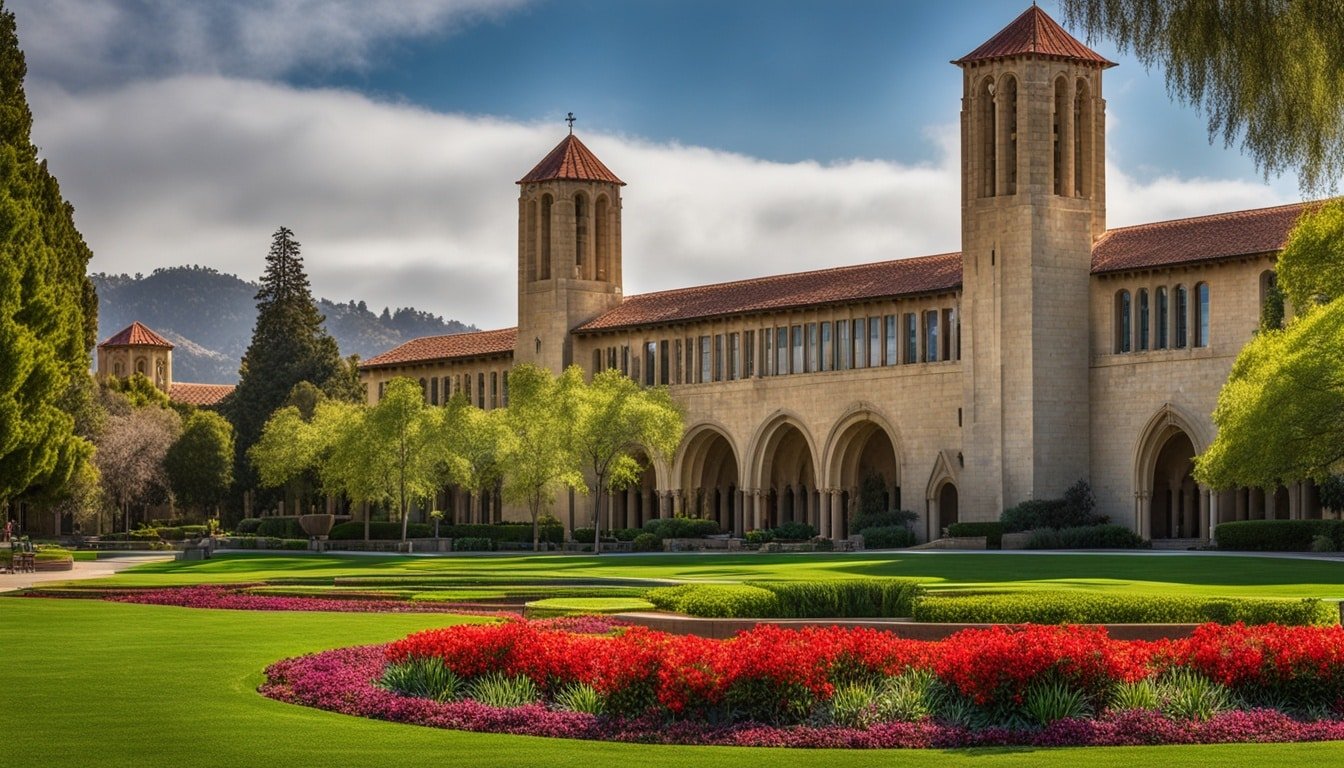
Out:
{"x": 9, "y": 531}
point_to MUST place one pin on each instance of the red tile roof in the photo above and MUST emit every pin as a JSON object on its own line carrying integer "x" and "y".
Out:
{"x": 452, "y": 346}
{"x": 1034, "y": 33}
{"x": 136, "y": 335}
{"x": 1202, "y": 238}
{"x": 198, "y": 394}
{"x": 571, "y": 161}
{"x": 926, "y": 274}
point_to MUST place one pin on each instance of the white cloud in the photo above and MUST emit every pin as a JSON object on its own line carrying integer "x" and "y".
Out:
{"x": 400, "y": 206}
{"x": 92, "y": 42}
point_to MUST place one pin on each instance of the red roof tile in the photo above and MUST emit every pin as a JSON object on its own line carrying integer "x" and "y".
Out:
{"x": 452, "y": 346}
{"x": 885, "y": 279}
{"x": 1034, "y": 33}
{"x": 1203, "y": 238}
{"x": 198, "y": 394}
{"x": 136, "y": 335}
{"x": 571, "y": 161}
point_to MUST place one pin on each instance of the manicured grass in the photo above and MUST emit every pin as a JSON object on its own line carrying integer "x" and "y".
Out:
{"x": 580, "y": 605}
{"x": 1216, "y": 576}
{"x": 91, "y": 684}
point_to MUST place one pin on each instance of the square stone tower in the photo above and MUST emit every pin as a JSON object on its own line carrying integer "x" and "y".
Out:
{"x": 1033, "y": 202}
{"x": 569, "y": 251}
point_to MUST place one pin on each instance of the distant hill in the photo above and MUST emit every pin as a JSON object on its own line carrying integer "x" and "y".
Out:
{"x": 209, "y": 315}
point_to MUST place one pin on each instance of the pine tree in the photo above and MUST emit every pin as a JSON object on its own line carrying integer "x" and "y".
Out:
{"x": 289, "y": 345}
{"x": 44, "y": 330}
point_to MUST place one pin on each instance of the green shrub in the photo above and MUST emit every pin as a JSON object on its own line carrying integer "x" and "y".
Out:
{"x": 720, "y": 601}
{"x": 282, "y": 528}
{"x": 581, "y": 697}
{"x": 247, "y": 526}
{"x": 1186, "y": 694}
{"x": 499, "y": 690}
{"x": 1322, "y": 543}
{"x": 1096, "y": 608}
{"x": 843, "y": 599}
{"x": 1086, "y": 537}
{"x": 891, "y": 537}
{"x": 993, "y": 532}
{"x": 473, "y": 544}
{"x": 884, "y": 519}
{"x": 1276, "y": 535}
{"x": 579, "y": 606}
{"x": 380, "y": 530}
{"x": 794, "y": 531}
{"x": 143, "y": 534}
{"x": 647, "y": 542}
{"x": 681, "y": 528}
{"x": 421, "y": 677}
{"x": 759, "y": 537}
{"x": 1074, "y": 510}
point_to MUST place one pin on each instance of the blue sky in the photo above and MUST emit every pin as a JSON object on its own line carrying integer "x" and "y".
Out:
{"x": 757, "y": 137}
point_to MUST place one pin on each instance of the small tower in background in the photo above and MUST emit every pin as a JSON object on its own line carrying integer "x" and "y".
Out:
{"x": 137, "y": 349}
{"x": 569, "y": 251}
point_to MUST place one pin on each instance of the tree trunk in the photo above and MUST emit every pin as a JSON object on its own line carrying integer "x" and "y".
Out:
{"x": 597, "y": 517}
{"x": 536, "y": 528}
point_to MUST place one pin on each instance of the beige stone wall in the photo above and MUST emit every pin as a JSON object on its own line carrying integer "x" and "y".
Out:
{"x": 156, "y": 363}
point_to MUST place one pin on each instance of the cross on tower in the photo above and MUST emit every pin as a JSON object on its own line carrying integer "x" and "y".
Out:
{"x": 571, "y": 120}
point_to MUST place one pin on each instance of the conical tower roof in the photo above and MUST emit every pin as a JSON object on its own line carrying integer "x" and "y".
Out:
{"x": 136, "y": 335}
{"x": 571, "y": 161}
{"x": 1034, "y": 33}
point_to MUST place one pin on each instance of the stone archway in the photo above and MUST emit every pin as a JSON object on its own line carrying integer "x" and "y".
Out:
{"x": 1169, "y": 503}
{"x": 634, "y": 506}
{"x": 709, "y": 477}
{"x": 947, "y": 505}
{"x": 785, "y": 473}
{"x": 862, "y": 446}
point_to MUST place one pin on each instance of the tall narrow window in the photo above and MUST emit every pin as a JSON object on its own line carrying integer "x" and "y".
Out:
{"x": 892, "y": 340}
{"x": 931, "y": 336}
{"x": 911, "y": 338}
{"x": 767, "y": 350}
{"x": 843, "y": 350}
{"x": 677, "y": 356}
{"x": 781, "y": 350}
{"x": 494, "y": 389}
{"x": 718, "y": 357}
{"x": 664, "y": 372}
{"x": 1082, "y": 141}
{"x": 1123, "y": 312}
{"x": 1144, "y": 321}
{"x": 947, "y": 335}
{"x": 827, "y": 353}
{"x": 597, "y": 360}
{"x": 705, "y": 359}
{"x": 581, "y": 234}
{"x": 611, "y": 357}
{"x": 796, "y": 343}
{"x": 545, "y": 266}
{"x": 505, "y": 379}
{"x": 601, "y": 238}
{"x": 625, "y": 359}
{"x": 480, "y": 391}
{"x": 1202, "y": 315}
{"x": 690, "y": 360}
{"x": 748, "y": 354}
{"x": 812, "y": 347}
{"x": 860, "y": 342}
{"x": 1181, "y": 314}
{"x": 650, "y": 358}
{"x": 1008, "y": 125}
{"x": 734, "y": 357}
{"x": 1059, "y": 125}
{"x": 874, "y": 341}
{"x": 988, "y": 137}
{"x": 531, "y": 241}
{"x": 1162, "y": 318}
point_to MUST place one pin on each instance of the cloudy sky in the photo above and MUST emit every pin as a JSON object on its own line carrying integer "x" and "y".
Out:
{"x": 755, "y": 136}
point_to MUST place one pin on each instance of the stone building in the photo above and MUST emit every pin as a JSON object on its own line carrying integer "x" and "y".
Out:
{"x": 137, "y": 349}
{"x": 1050, "y": 349}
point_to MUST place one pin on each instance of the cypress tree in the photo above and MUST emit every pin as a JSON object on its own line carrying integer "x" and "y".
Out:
{"x": 289, "y": 345}
{"x": 45, "y": 320}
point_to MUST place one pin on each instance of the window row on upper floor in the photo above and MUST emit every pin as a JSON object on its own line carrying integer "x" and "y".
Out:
{"x": 862, "y": 342}
{"x": 491, "y": 390}
{"x": 1173, "y": 318}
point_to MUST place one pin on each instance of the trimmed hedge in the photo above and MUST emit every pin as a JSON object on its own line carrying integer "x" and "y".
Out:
{"x": 380, "y": 530}
{"x": 848, "y": 599}
{"x": 281, "y": 528}
{"x": 181, "y": 532}
{"x": 887, "y": 537}
{"x": 1095, "y": 608}
{"x": 993, "y": 532}
{"x": 247, "y": 526}
{"x": 681, "y": 528}
{"x": 793, "y": 531}
{"x": 1108, "y": 536}
{"x": 647, "y": 542}
{"x": 513, "y": 533}
{"x": 1277, "y": 535}
{"x": 473, "y": 544}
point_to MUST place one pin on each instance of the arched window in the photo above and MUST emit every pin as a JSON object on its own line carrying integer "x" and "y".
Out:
{"x": 117, "y": 369}
{"x": 1202, "y": 315}
{"x": 140, "y": 366}
{"x": 597, "y": 361}
{"x": 1083, "y": 132}
{"x": 988, "y": 135}
{"x": 1144, "y": 319}
{"x": 545, "y": 265}
{"x": 1123, "y": 313}
{"x": 1162, "y": 318}
{"x": 1008, "y": 125}
{"x": 602, "y": 237}
{"x": 1182, "y": 317}
{"x": 580, "y": 233}
{"x": 530, "y": 244}
{"x": 1060, "y": 126}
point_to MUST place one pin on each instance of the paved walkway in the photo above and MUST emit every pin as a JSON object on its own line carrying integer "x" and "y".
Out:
{"x": 91, "y": 569}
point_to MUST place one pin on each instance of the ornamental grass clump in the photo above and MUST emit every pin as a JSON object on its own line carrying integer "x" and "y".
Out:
{"x": 423, "y": 678}
{"x": 581, "y": 697}
{"x": 1049, "y": 700}
{"x": 496, "y": 689}
{"x": 910, "y": 697}
{"x": 1138, "y": 695}
{"x": 1188, "y": 695}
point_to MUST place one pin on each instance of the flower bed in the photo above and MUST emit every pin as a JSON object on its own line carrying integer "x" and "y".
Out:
{"x": 835, "y": 687}
{"x": 235, "y": 597}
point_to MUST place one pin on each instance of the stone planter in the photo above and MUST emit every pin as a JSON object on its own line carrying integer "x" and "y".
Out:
{"x": 317, "y": 525}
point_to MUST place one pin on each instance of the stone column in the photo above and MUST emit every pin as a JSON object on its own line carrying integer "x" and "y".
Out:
{"x": 739, "y": 513}
{"x": 677, "y": 504}
{"x": 837, "y": 514}
{"x": 825, "y": 516}
{"x": 1143, "y": 512}
{"x": 1206, "y": 505}
{"x": 757, "y": 510}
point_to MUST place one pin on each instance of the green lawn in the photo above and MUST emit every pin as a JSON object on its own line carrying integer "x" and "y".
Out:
{"x": 1166, "y": 574}
{"x": 91, "y": 683}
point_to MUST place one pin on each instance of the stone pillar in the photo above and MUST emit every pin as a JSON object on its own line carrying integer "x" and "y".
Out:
{"x": 825, "y": 516}
{"x": 677, "y": 505}
{"x": 1143, "y": 514}
{"x": 837, "y": 514}
{"x": 1206, "y": 505}
{"x": 757, "y": 510}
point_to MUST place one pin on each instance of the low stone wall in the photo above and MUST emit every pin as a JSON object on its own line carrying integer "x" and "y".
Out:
{"x": 1015, "y": 540}
{"x": 53, "y": 565}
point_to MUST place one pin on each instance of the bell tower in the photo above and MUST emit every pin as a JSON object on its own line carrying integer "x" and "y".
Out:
{"x": 569, "y": 251}
{"x": 1033, "y": 201}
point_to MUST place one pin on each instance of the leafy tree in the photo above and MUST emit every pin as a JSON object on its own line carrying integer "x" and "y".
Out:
{"x": 537, "y": 459}
{"x": 1271, "y": 73}
{"x": 139, "y": 391}
{"x": 613, "y": 422}
{"x": 130, "y": 457}
{"x": 199, "y": 465}
{"x": 1280, "y": 416}
{"x": 43, "y": 300}
{"x": 289, "y": 345}
{"x": 471, "y": 441}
